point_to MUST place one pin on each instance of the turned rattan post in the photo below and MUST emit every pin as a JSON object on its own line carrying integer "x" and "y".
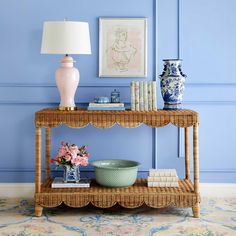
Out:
{"x": 196, "y": 208}
{"x": 38, "y": 161}
{"x": 48, "y": 139}
{"x": 187, "y": 154}
{"x": 38, "y": 208}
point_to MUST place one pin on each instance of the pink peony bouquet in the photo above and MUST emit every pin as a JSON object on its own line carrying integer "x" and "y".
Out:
{"x": 70, "y": 154}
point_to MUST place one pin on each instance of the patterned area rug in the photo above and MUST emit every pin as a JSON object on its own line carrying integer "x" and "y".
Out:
{"x": 218, "y": 218}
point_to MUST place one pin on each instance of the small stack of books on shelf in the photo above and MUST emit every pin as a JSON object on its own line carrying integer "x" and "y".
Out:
{"x": 59, "y": 183}
{"x": 163, "y": 178}
{"x": 106, "y": 106}
{"x": 143, "y": 95}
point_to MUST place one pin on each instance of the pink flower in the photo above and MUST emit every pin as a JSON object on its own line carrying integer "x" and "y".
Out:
{"x": 56, "y": 160}
{"x": 84, "y": 162}
{"x": 71, "y": 154}
{"x": 79, "y": 161}
{"x": 73, "y": 148}
{"x": 68, "y": 157}
{"x": 62, "y": 151}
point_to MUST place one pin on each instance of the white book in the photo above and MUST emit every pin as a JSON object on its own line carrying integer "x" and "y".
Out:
{"x": 137, "y": 105}
{"x": 132, "y": 95}
{"x": 150, "y": 95}
{"x": 154, "y": 96}
{"x": 163, "y": 172}
{"x": 141, "y": 100}
{"x": 163, "y": 184}
{"x": 163, "y": 178}
{"x": 93, "y": 104}
{"x": 59, "y": 183}
{"x": 145, "y": 95}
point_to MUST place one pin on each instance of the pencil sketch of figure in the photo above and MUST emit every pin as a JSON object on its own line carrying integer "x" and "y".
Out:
{"x": 122, "y": 50}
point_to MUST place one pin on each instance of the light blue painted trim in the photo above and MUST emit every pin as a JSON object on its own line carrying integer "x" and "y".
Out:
{"x": 179, "y": 52}
{"x": 217, "y": 103}
{"x": 12, "y": 102}
{"x": 155, "y": 153}
{"x": 54, "y": 85}
{"x": 216, "y": 170}
{"x": 18, "y": 102}
{"x": 155, "y": 24}
{"x": 180, "y": 143}
{"x": 210, "y": 84}
{"x": 155, "y": 76}
{"x": 27, "y": 170}
{"x": 121, "y": 84}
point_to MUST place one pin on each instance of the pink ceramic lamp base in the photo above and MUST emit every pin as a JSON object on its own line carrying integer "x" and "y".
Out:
{"x": 67, "y": 80}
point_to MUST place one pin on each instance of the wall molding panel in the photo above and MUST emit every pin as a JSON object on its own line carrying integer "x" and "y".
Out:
{"x": 49, "y": 94}
{"x": 89, "y": 169}
{"x": 167, "y": 38}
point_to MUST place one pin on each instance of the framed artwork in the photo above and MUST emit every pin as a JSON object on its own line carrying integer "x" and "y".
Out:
{"x": 122, "y": 47}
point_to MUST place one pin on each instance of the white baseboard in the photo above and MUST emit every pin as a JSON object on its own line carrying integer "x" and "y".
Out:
{"x": 16, "y": 190}
{"x": 26, "y": 190}
{"x": 227, "y": 190}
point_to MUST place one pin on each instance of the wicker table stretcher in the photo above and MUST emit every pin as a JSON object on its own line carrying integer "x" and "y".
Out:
{"x": 186, "y": 195}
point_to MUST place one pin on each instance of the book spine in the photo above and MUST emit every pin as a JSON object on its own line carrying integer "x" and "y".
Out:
{"x": 150, "y": 95}
{"x": 132, "y": 95}
{"x": 70, "y": 186}
{"x": 145, "y": 95}
{"x": 141, "y": 96}
{"x": 163, "y": 173}
{"x": 162, "y": 179}
{"x": 106, "y": 105}
{"x": 166, "y": 184}
{"x": 154, "y": 96}
{"x": 106, "y": 108}
{"x": 137, "y": 105}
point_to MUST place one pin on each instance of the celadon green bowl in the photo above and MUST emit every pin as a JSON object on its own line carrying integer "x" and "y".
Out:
{"x": 115, "y": 173}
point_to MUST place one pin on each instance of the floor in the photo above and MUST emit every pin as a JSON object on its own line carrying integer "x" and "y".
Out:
{"x": 218, "y": 218}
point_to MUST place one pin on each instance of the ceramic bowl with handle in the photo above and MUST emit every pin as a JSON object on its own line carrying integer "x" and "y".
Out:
{"x": 115, "y": 173}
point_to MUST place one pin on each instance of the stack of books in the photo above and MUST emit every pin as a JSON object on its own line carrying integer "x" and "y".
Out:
{"x": 143, "y": 95}
{"x": 163, "y": 178}
{"x": 59, "y": 183}
{"x": 106, "y": 106}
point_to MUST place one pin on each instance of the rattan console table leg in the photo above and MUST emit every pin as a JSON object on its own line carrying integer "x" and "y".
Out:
{"x": 187, "y": 154}
{"x": 48, "y": 141}
{"x": 38, "y": 208}
{"x": 196, "y": 208}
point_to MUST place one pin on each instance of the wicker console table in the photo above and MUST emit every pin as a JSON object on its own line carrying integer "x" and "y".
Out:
{"x": 186, "y": 195}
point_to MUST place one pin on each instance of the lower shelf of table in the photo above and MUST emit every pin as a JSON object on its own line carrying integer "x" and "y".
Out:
{"x": 130, "y": 197}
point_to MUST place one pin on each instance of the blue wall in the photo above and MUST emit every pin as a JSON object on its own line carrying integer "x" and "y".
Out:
{"x": 198, "y": 31}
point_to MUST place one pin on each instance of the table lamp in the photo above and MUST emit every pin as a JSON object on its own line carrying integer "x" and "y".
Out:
{"x": 66, "y": 37}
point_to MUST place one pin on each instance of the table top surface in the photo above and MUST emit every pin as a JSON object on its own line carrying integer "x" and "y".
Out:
{"x": 52, "y": 117}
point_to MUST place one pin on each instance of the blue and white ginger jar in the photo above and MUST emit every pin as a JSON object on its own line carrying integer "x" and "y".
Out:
{"x": 172, "y": 84}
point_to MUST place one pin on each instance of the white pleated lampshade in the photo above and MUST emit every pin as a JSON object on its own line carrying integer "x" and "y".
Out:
{"x": 65, "y": 37}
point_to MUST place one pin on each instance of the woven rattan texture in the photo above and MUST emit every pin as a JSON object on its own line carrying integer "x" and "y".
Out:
{"x": 52, "y": 117}
{"x": 130, "y": 197}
